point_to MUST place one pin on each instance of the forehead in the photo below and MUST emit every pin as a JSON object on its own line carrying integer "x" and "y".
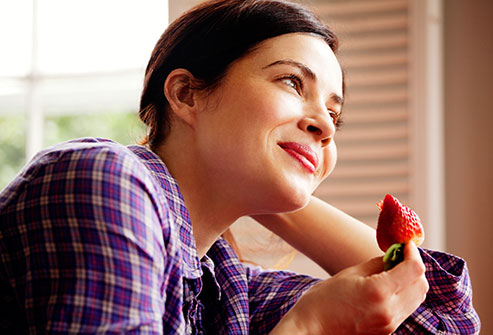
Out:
{"x": 310, "y": 50}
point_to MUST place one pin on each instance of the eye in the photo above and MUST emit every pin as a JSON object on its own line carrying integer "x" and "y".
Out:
{"x": 336, "y": 118}
{"x": 293, "y": 81}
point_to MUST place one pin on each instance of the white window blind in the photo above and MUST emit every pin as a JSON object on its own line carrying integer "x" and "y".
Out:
{"x": 392, "y": 141}
{"x": 374, "y": 143}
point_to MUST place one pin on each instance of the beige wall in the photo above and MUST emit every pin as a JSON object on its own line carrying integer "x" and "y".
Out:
{"x": 469, "y": 143}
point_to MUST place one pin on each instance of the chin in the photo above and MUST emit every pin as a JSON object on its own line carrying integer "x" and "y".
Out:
{"x": 299, "y": 203}
{"x": 290, "y": 202}
{"x": 294, "y": 195}
{"x": 283, "y": 193}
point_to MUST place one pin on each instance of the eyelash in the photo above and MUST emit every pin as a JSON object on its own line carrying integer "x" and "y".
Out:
{"x": 296, "y": 80}
{"x": 336, "y": 117}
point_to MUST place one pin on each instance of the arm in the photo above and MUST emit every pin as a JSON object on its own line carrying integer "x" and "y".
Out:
{"x": 439, "y": 313}
{"x": 330, "y": 237}
{"x": 91, "y": 240}
{"x": 362, "y": 299}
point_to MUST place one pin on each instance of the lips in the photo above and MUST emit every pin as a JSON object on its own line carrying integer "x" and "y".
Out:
{"x": 303, "y": 153}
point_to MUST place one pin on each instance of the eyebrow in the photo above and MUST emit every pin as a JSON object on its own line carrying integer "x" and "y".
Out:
{"x": 338, "y": 99}
{"x": 307, "y": 72}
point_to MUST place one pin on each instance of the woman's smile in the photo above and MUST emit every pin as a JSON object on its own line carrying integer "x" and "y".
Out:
{"x": 303, "y": 154}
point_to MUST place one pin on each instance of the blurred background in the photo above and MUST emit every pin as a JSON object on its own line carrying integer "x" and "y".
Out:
{"x": 417, "y": 118}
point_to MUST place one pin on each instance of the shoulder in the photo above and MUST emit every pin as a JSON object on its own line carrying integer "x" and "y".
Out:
{"x": 85, "y": 153}
{"x": 93, "y": 167}
{"x": 92, "y": 181}
{"x": 88, "y": 158}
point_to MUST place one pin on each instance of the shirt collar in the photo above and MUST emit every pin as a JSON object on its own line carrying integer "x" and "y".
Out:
{"x": 191, "y": 264}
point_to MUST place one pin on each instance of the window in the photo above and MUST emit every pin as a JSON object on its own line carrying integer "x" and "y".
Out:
{"x": 72, "y": 69}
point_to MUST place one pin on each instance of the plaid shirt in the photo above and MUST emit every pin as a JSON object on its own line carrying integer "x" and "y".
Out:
{"x": 95, "y": 238}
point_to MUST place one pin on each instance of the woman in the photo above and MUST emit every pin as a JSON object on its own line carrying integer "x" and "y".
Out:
{"x": 242, "y": 100}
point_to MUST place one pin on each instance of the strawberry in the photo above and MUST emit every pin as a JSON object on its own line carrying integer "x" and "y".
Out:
{"x": 397, "y": 225}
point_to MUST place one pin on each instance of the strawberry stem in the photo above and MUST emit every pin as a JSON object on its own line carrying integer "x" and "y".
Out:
{"x": 393, "y": 256}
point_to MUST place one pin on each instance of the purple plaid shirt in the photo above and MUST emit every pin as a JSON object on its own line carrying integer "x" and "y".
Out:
{"x": 95, "y": 239}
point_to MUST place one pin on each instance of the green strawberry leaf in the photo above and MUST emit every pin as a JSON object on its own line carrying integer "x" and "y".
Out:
{"x": 393, "y": 256}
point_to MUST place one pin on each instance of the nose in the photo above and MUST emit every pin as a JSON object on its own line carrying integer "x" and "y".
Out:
{"x": 320, "y": 125}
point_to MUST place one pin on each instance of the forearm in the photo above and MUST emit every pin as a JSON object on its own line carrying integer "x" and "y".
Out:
{"x": 328, "y": 236}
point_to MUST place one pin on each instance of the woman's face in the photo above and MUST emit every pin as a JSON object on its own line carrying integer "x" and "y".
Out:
{"x": 266, "y": 135}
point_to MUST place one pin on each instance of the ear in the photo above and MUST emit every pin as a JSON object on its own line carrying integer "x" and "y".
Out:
{"x": 181, "y": 96}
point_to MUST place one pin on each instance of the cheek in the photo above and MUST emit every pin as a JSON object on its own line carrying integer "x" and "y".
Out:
{"x": 262, "y": 105}
{"x": 330, "y": 160}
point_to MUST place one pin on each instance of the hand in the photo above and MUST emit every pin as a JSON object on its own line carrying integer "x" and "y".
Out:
{"x": 362, "y": 299}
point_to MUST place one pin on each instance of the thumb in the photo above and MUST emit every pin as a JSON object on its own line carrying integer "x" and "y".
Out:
{"x": 411, "y": 251}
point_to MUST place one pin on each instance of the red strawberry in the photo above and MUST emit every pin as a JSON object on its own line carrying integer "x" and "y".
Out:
{"x": 397, "y": 224}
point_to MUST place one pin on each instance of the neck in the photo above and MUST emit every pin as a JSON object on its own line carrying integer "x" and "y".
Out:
{"x": 211, "y": 210}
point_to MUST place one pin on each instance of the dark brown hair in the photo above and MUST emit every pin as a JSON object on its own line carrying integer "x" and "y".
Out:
{"x": 208, "y": 38}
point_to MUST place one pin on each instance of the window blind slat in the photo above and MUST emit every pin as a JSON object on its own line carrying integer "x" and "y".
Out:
{"x": 375, "y": 115}
{"x": 392, "y": 169}
{"x": 336, "y": 8}
{"x": 376, "y": 59}
{"x": 372, "y": 24}
{"x": 392, "y": 40}
{"x": 373, "y": 152}
{"x": 385, "y": 77}
{"x": 374, "y": 188}
{"x": 369, "y": 133}
{"x": 377, "y": 96}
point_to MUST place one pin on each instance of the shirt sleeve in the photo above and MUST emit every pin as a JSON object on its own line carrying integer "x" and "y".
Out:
{"x": 448, "y": 306}
{"x": 272, "y": 294}
{"x": 87, "y": 245}
{"x": 447, "y": 309}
